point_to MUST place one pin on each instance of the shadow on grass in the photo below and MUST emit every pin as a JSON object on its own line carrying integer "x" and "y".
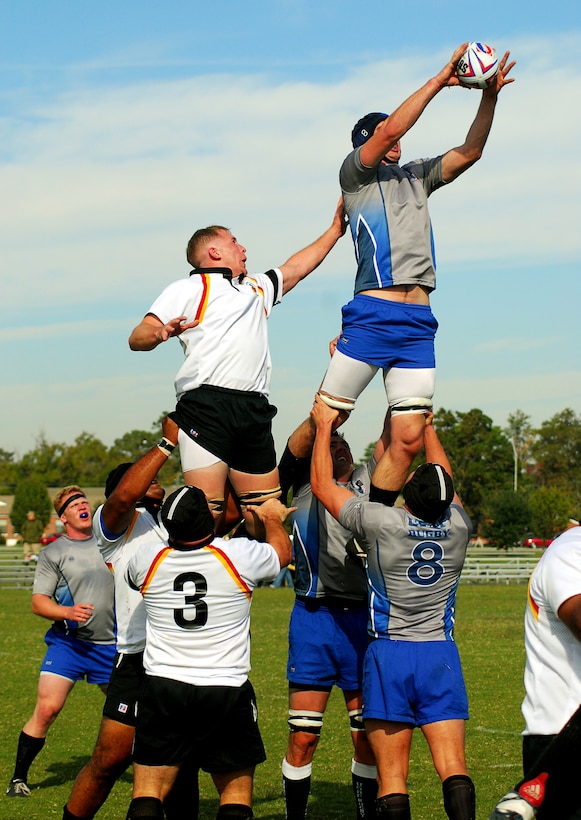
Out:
{"x": 327, "y": 801}
{"x": 65, "y": 771}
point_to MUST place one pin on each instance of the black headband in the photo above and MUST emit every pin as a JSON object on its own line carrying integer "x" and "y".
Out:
{"x": 70, "y": 501}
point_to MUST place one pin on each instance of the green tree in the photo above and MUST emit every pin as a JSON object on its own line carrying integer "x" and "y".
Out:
{"x": 480, "y": 455}
{"x": 508, "y": 519}
{"x": 551, "y": 508}
{"x": 45, "y": 460}
{"x": 131, "y": 446}
{"x": 557, "y": 451}
{"x": 86, "y": 463}
{"x": 521, "y": 436}
{"x": 8, "y": 472}
{"x": 30, "y": 494}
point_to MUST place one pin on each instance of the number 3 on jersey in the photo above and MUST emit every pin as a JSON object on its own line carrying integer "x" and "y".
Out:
{"x": 196, "y": 601}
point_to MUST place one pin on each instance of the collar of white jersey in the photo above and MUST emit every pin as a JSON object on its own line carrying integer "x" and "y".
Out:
{"x": 225, "y": 272}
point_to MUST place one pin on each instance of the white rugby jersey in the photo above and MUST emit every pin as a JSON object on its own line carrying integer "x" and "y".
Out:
{"x": 553, "y": 654}
{"x": 229, "y": 347}
{"x": 129, "y": 607}
{"x": 198, "y": 608}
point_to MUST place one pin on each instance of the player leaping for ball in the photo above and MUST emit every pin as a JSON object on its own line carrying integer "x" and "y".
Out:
{"x": 220, "y": 316}
{"x": 389, "y": 324}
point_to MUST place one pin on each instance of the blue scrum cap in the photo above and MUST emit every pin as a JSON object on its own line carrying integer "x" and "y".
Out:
{"x": 364, "y": 128}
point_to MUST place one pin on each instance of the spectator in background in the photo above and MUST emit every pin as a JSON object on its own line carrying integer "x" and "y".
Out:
{"x": 31, "y": 532}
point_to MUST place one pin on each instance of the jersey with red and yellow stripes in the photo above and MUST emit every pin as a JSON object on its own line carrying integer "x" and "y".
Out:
{"x": 197, "y": 604}
{"x": 229, "y": 346}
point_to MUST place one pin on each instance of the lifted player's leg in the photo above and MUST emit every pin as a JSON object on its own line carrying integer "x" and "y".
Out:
{"x": 345, "y": 380}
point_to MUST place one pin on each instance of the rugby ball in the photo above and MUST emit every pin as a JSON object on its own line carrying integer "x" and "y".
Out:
{"x": 478, "y": 66}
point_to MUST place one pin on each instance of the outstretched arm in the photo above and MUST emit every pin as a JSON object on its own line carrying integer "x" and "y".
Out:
{"x": 119, "y": 508}
{"x": 435, "y": 453}
{"x": 294, "y": 465}
{"x": 151, "y": 331}
{"x": 304, "y": 262}
{"x": 390, "y": 131}
{"x": 458, "y": 160}
{"x": 330, "y": 494}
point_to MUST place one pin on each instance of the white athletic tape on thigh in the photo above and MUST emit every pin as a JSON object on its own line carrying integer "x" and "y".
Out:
{"x": 337, "y": 404}
{"x": 258, "y": 496}
{"x": 418, "y": 405}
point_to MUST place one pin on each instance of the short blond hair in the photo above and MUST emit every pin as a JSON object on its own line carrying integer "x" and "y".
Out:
{"x": 58, "y": 499}
{"x": 199, "y": 240}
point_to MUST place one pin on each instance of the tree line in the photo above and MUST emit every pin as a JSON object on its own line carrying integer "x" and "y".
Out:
{"x": 512, "y": 480}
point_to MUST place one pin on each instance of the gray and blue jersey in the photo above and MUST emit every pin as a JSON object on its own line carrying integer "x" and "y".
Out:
{"x": 72, "y": 571}
{"x": 413, "y": 569}
{"x": 327, "y": 560}
{"x": 389, "y": 220}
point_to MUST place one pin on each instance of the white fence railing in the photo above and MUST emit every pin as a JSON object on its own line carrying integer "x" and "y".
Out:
{"x": 499, "y": 569}
{"x": 14, "y": 572}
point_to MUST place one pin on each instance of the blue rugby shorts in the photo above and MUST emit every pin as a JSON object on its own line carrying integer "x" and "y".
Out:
{"x": 416, "y": 682}
{"x": 388, "y": 334}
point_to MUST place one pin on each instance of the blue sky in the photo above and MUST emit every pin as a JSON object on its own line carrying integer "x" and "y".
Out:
{"x": 126, "y": 126}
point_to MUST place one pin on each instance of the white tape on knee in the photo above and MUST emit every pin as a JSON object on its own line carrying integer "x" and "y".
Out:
{"x": 356, "y": 720}
{"x": 302, "y": 720}
{"x": 415, "y": 405}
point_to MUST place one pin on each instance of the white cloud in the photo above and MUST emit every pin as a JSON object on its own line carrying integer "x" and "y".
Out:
{"x": 94, "y": 169}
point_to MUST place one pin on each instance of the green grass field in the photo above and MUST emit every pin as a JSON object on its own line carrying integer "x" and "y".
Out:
{"x": 490, "y": 637}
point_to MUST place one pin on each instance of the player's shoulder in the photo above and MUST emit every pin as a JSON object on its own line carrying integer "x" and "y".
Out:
{"x": 240, "y": 548}
{"x": 270, "y": 278}
{"x": 360, "y": 479}
{"x": 146, "y": 554}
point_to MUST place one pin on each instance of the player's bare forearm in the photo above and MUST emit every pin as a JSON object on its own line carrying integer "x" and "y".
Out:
{"x": 301, "y": 441}
{"x": 119, "y": 508}
{"x": 278, "y": 538}
{"x": 272, "y": 515}
{"x": 330, "y": 494}
{"x": 151, "y": 332}
{"x": 46, "y": 607}
{"x": 435, "y": 453}
{"x": 459, "y": 159}
{"x": 408, "y": 113}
